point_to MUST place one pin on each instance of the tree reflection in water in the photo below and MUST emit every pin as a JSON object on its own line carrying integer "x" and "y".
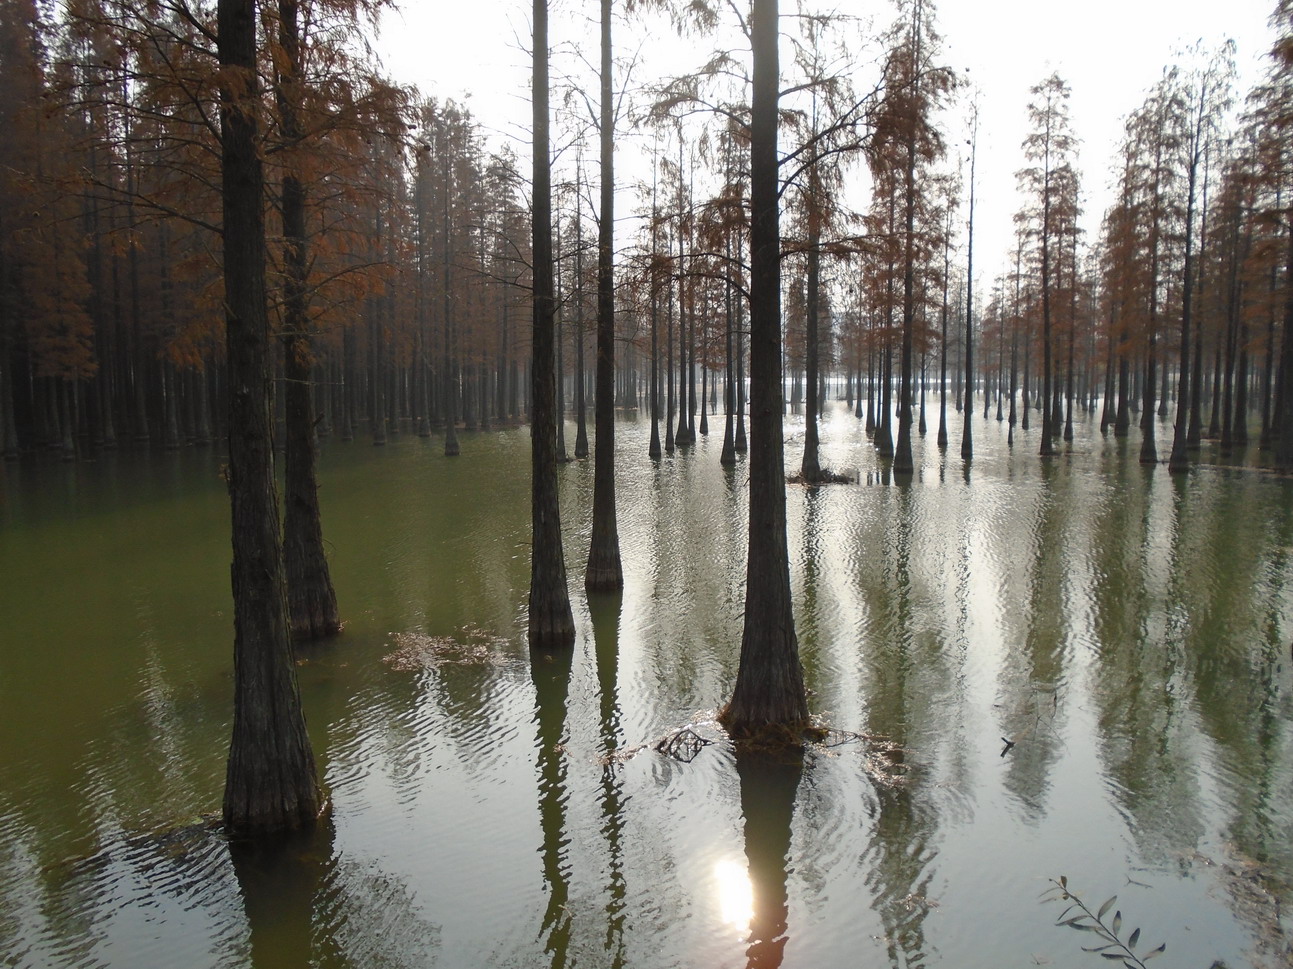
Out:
{"x": 605, "y": 612}
{"x": 769, "y": 783}
{"x": 550, "y": 671}
{"x": 280, "y": 880}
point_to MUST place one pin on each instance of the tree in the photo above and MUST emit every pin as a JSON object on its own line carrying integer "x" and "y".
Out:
{"x": 1153, "y": 143}
{"x": 1275, "y": 114}
{"x": 1206, "y": 98}
{"x": 967, "y": 433}
{"x": 551, "y": 623}
{"x": 604, "y": 570}
{"x": 769, "y": 691}
{"x": 312, "y": 602}
{"x": 826, "y": 143}
{"x": 916, "y": 89}
{"x": 271, "y": 784}
{"x": 1051, "y": 184}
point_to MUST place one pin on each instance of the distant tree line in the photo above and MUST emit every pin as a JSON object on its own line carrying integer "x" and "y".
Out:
{"x": 415, "y": 290}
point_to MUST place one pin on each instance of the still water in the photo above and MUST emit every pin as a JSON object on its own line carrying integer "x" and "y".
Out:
{"x": 1080, "y": 668}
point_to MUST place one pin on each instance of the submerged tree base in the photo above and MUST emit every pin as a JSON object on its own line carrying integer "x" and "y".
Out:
{"x": 770, "y": 736}
{"x": 314, "y": 616}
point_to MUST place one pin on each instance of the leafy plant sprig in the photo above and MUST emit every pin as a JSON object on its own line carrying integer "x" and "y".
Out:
{"x": 1078, "y": 916}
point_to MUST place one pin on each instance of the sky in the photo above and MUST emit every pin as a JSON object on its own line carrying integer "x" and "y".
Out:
{"x": 1109, "y": 51}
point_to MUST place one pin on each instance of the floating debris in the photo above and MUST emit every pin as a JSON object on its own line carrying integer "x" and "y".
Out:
{"x": 825, "y": 476}
{"x": 1255, "y": 890}
{"x": 912, "y": 902}
{"x": 682, "y": 745}
{"x": 620, "y": 756}
{"x": 883, "y": 760}
{"x": 470, "y": 646}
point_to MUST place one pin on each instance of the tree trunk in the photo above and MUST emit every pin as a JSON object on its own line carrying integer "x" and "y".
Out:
{"x": 551, "y": 625}
{"x": 728, "y": 455}
{"x": 605, "y": 573}
{"x": 311, "y": 601}
{"x": 810, "y": 468}
{"x": 967, "y": 434}
{"x": 769, "y": 687}
{"x": 581, "y": 403}
{"x": 1284, "y": 423}
{"x": 270, "y": 784}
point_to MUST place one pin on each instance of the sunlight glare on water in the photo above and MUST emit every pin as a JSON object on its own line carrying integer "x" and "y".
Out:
{"x": 735, "y": 896}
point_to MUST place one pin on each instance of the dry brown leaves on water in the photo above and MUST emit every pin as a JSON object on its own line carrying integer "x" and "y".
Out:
{"x": 825, "y": 476}
{"x": 1255, "y": 890}
{"x": 883, "y": 760}
{"x": 470, "y": 646}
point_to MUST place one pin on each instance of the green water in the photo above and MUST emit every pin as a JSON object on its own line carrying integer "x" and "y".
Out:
{"x": 1126, "y": 630}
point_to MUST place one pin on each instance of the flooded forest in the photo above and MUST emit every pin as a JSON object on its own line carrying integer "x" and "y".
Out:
{"x": 671, "y": 537}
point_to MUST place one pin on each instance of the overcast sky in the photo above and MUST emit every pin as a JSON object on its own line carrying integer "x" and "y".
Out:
{"x": 1110, "y": 52}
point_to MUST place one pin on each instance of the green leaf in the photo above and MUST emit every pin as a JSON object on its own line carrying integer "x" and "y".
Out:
{"x": 1106, "y": 906}
{"x": 1064, "y": 881}
{"x": 1111, "y": 955}
{"x": 1117, "y": 922}
{"x": 1096, "y": 948}
{"x": 1155, "y": 953}
{"x": 1135, "y": 937}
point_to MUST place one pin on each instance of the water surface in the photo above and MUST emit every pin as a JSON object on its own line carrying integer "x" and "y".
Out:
{"x": 1125, "y": 630}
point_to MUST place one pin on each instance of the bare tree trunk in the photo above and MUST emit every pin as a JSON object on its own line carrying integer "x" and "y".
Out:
{"x": 605, "y": 572}
{"x": 551, "y": 624}
{"x": 769, "y": 689}
{"x": 1284, "y": 424}
{"x": 810, "y": 468}
{"x": 270, "y": 784}
{"x": 311, "y": 601}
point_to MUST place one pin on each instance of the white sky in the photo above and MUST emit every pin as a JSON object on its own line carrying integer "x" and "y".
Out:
{"x": 1110, "y": 52}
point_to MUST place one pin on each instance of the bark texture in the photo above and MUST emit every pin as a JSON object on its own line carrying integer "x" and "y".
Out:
{"x": 605, "y": 572}
{"x": 769, "y": 682}
{"x": 551, "y": 623}
{"x": 311, "y": 600}
{"x": 271, "y": 784}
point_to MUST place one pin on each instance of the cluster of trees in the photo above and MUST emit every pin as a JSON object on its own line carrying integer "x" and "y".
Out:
{"x": 415, "y": 281}
{"x": 1184, "y": 298}
{"x": 167, "y": 166}
{"x": 412, "y": 237}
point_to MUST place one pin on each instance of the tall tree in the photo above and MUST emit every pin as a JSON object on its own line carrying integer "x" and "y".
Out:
{"x": 1273, "y": 110}
{"x": 967, "y": 432}
{"x": 271, "y": 783}
{"x": 917, "y": 87}
{"x": 604, "y": 570}
{"x": 1051, "y": 185}
{"x": 769, "y": 691}
{"x": 312, "y": 602}
{"x": 551, "y": 622}
{"x": 1205, "y": 100}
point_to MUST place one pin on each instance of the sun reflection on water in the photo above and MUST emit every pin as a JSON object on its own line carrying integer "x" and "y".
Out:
{"x": 735, "y": 895}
